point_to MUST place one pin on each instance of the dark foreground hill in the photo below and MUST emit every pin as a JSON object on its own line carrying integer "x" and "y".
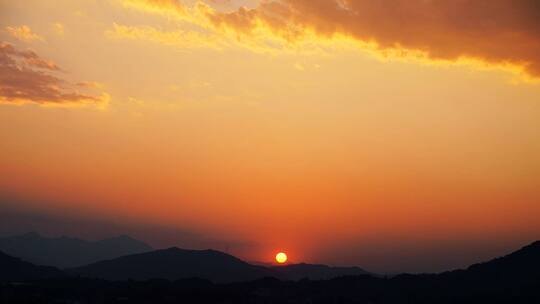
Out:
{"x": 63, "y": 252}
{"x": 15, "y": 269}
{"x": 524, "y": 263}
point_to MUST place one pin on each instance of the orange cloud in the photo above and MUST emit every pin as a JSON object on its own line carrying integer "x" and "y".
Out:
{"x": 58, "y": 28}
{"x": 27, "y": 78}
{"x": 179, "y": 38}
{"x": 23, "y": 33}
{"x": 494, "y": 33}
{"x": 499, "y": 32}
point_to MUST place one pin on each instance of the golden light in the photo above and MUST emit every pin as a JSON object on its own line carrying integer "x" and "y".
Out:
{"x": 281, "y": 257}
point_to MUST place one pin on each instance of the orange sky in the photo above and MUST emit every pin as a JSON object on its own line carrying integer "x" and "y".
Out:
{"x": 343, "y": 132}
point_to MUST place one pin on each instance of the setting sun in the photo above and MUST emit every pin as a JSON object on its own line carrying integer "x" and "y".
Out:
{"x": 281, "y": 257}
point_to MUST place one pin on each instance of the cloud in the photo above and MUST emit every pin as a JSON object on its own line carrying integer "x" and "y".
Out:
{"x": 171, "y": 8}
{"x": 90, "y": 84}
{"x": 58, "y": 28}
{"x": 179, "y": 38}
{"x": 23, "y": 33}
{"x": 26, "y": 78}
{"x": 493, "y": 33}
{"x": 201, "y": 31}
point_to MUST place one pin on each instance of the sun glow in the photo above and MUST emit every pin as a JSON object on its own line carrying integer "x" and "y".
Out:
{"x": 281, "y": 257}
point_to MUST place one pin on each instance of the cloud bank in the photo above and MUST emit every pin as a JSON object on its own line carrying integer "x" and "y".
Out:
{"x": 25, "y": 78}
{"x": 501, "y": 33}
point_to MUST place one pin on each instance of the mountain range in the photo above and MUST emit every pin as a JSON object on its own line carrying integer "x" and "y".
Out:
{"x": 124, "y": 258}
{"x": 175, "y": 263}
{"x": 514, "y": 278}
{"x": 65, "y": 252}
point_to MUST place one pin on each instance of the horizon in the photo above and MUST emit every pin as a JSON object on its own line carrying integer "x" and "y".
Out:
{"x": 271, "y": 263}
{"x": 394, "y": 135}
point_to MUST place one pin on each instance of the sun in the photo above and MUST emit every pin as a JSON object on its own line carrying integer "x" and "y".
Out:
{"x": 281, "y": 257}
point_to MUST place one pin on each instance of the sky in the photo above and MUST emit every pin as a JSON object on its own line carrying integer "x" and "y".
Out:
{"x": 393, "y": 135}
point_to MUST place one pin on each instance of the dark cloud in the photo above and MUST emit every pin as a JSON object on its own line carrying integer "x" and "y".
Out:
{"x": 25, "y": 77}
{"x": 495, "y": 31}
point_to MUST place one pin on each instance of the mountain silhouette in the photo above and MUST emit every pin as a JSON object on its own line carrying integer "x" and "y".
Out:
{"x": 521, "y": 267}
{"x": 174, "y": 264}
{"x": 64, "y": 252}
{"x": 514, "y": 278}
{"x": 523, "y": 263}
{"x": 15, "y": 269}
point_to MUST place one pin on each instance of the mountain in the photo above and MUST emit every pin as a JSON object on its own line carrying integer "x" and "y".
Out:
{"x": 521, "y": 267}
{"x": 64, "y": 252}
{"x": 174, "y": 264}
{"x": 15, "y": 269}
{"x": 504, "y": 280}
{"x": 315, "y": 272}
{"x": 523, "y": 263}
{"x": 122, "y": 258}
{"x": 216, "y": 266}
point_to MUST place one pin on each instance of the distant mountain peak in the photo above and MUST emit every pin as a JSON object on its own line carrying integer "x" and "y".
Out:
{"x": 174, "y": 248}
{"x": 122, "y": 237}
{"x": 66, "y": 251}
